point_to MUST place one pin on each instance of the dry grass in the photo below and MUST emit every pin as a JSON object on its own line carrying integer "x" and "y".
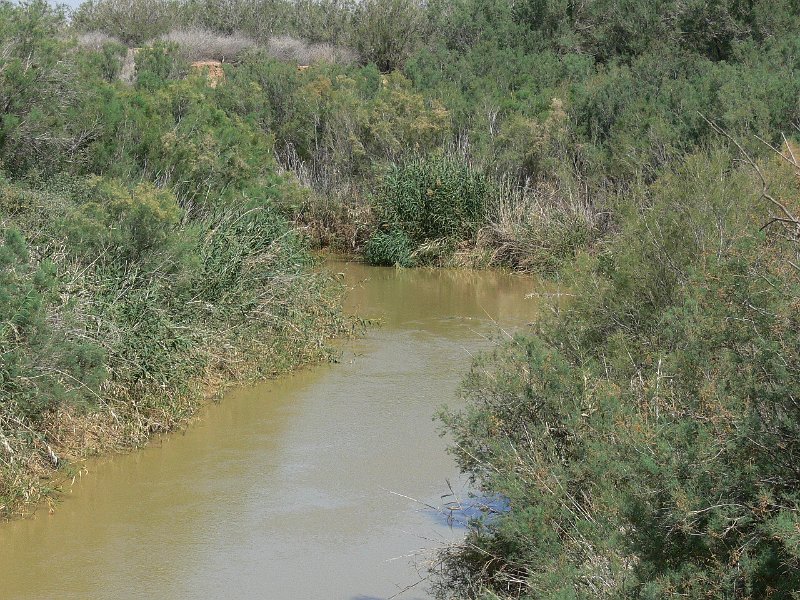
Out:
{"x": 95, "y": 40}
{"x": 196, "y": 45}
{"x": 288, "y": 48}
{"x": 336, "y": 214}
{"x": 202, "y": 44}
{"x": 31, "y": 471}
{"x": 537, "y": 228}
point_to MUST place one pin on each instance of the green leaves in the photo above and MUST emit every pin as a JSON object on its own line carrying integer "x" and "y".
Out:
{"x": 389, "y": 248}
{"x": 653, "y": 421}
{"x": 387, "y": 31}
{"x": 426, "y": 202}
{"x": 126, "y": 222}
{"x": 41, "y": 366}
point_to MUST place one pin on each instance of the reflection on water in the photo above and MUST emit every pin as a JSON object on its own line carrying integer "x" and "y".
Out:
{"x": 457, "y": 513}
{"x": 306, "y": 487}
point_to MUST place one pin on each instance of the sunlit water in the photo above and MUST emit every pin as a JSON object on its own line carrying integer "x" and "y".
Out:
{"x": 310, "y": 487}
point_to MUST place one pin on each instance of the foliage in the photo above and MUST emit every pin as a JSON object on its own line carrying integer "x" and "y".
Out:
{"x": 132, "y": 23}
{"x": 385, "y": 32}
{"x": 117, "y": 223}
{"x": 138, "y": 22}
{"x": 293, "y": 49}
{"x": 103, "y": 55}
{"x": 433, "y": 197}
{"x": 644, "y": 437}
{"x": 39, "y": 366}
{"x": 559, "y": 99}
{"x": 389, "y": 248}
{"x": 37, "y": 91}
{"x": 145, "y": 256}
{"x": 157, "y": 64}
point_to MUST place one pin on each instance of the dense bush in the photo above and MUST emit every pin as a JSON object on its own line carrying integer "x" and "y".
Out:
{"x": 424, "y": 199}
{"x": 145, "y": 256}
{"x": 386, "y": 32}
{"x": 39, "y": 100}
{"x": 118, "y": 304}
{"x": 645, "y": 437}
{"x": 40, "y": 367}
{"x": 389, "y": 248}
{"x": 563, "y": 101}
{"x": 133, "y": 23}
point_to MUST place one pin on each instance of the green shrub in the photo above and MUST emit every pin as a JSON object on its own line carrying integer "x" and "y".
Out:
{"x": 387, "y": 31}
{"x": 433, "y": 197}
{"x": 645, "y": 434}
{"x": 157, "y": 64}
{"x": 40, "y": 101}
{"x": 122, "y": 223}
{"x": 389, "y": 249}
{"x": 42, "y": 365}
{"x": 102, "y": 54}
{"x": 133, "y": 23}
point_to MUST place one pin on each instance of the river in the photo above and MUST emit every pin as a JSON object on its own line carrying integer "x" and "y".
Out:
{"x": 308, "y": 487}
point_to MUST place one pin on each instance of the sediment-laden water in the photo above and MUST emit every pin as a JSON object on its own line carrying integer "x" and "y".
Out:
{"x": 309, "y": 487}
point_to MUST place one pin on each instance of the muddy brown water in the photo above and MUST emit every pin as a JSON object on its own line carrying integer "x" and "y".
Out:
{"x": 299, "y": 488}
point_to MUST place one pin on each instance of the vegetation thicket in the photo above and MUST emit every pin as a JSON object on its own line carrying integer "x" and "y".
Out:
{"x": 645, "y": 435}
{"x": 561, "y": 106}
{"x": 145, "y": 254}
{"x": 423, "y": 203}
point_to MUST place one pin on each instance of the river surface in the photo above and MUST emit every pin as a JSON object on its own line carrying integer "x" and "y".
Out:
{"x": 309, "y": 487}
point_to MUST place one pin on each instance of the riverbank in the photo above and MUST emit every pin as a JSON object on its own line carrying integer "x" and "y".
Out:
{"x": 37, "y": 475}
{"x": 37, "y": 479}
{"x": 145, "y": 255}
{"x": 118, "y": 322}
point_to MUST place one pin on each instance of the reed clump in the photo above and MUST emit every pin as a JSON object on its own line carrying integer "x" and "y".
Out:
{"x": 115, "y": 333}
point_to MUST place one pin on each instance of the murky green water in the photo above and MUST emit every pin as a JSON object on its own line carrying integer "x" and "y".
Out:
{"x": 294, "y": 489}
